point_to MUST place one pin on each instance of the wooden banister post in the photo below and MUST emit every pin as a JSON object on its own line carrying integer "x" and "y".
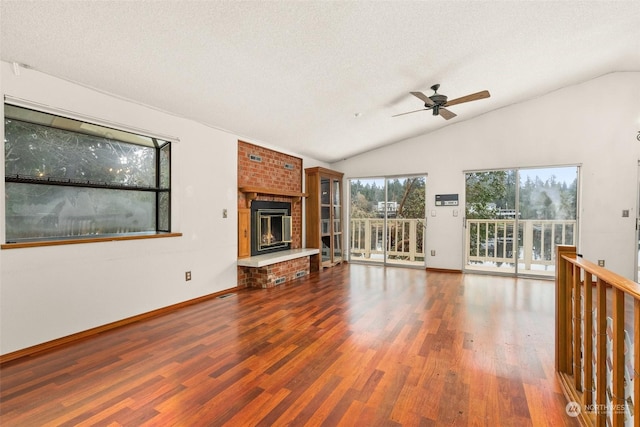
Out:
{"x": 618, "y": 399}
{"x": 588, "y": 339}
{"x": 562, "y": 308}
{"x": 601, "y": 358}
{"x": 577, "y": 328}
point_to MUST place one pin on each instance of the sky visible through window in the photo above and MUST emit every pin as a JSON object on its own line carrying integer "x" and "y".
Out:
{"x": 563, "y": 174}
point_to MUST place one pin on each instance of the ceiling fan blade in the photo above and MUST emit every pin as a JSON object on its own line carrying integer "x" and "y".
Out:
{"x": 446, "y": 114}
{"x": 409, "y": 112}
{"x": 423, "y": 97}
{"x": 472, "y": 97}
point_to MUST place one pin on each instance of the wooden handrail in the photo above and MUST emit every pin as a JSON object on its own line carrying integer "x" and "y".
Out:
{"x": 628, "y": 286}
{"x": 575, "y": 278}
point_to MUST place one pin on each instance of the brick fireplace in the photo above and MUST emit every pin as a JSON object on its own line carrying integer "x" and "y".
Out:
{"x": 270, "y": 176}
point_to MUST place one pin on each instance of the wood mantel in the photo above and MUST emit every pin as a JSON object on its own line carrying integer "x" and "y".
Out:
{"x": 252, "y": 192}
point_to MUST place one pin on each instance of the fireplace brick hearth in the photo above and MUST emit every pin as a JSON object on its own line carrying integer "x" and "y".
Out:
{"x": 272, "y": 275}
{"x": 265, "y": 168}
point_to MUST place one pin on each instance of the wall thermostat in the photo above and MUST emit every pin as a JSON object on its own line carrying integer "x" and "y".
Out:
{"x": 446, "y": 200}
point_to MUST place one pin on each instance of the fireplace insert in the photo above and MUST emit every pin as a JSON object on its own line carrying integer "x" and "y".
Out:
{"x": 270, "y": 227}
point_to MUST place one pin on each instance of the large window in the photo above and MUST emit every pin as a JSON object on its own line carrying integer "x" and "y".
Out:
{"x": 67, "y": 179}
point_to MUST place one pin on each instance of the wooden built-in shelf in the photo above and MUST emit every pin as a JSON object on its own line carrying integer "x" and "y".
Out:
{"x": 252, "y": 192}
{"x": 323, "y": 213}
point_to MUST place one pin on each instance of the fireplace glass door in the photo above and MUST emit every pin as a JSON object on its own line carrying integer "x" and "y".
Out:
{"x": 271, "y": 228}
{"x": 274, "y": 229}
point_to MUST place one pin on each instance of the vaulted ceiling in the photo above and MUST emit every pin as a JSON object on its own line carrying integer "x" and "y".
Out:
{"x": 319, "y": 78}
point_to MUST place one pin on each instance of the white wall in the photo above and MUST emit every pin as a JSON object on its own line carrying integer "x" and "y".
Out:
{"x": 50, "y": 292}
{"x": 593, "y": 124}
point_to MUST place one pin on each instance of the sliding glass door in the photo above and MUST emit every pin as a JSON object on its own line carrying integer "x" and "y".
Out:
{"x": 406, "y": 226}
{"x": 490, "y": 221}
{"x": 387, "y": 220}
{"x": 515, "y": 218}
{"x": 547, "y": 216}
{"x": 366, "y": 221}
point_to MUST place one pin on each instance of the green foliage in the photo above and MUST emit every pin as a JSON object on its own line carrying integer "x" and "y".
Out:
{"x": 486, "y": 192}
{"x": 412, "y": 204}
{"x": 40, "y": 151}
{"x": 408, "y": 193}
{"x": 490, "y": 194}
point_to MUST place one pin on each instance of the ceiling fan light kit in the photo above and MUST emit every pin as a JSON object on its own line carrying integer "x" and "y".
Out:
{"x": 437, "y": 102}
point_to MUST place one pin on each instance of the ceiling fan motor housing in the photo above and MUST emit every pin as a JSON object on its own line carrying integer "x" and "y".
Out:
{"x": 438, "y": 99}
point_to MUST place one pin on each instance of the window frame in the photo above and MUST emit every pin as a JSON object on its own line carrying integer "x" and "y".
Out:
{"x": 161, "y": 145}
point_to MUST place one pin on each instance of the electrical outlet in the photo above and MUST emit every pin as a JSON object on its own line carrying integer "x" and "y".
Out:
{"x": 600, "y": 263}
{"x": 187, "y": 276}
{"x": 433, "y": 252}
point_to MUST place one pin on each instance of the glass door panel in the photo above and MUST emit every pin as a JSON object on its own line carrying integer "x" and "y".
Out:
{"x": 405, "y": 220}
{"x": 337, "y": 221}
{"x": 337, "y": 248}
{"x": 367, "y": 237}
{"x": 547, "y": 216}
{"x": 325, "y": 219}
{"x": 387, "y": 220}
{"x": 490, "y": 220}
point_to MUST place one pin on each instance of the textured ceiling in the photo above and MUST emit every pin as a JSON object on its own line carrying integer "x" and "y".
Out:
{"x": 322, "y": 78}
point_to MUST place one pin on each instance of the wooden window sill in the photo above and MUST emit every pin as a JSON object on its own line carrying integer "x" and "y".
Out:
{"x": 35, "y": 244}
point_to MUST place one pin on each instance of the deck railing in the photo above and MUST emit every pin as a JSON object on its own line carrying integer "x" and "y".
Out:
{"x": 596, "y": 358}
{"x": 530, "y": 243}
{"x": 404, "y": 239}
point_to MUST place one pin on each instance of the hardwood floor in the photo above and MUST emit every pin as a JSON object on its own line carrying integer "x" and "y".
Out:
{"x": 354, "y": 345}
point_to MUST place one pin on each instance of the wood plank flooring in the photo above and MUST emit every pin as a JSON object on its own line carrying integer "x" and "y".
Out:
{"x": 355, "y": 345}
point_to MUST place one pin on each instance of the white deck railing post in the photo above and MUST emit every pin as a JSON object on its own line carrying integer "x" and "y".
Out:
{"x": 527, "y": 243}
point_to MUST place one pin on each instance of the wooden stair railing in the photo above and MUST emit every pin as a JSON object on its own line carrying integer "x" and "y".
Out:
{"x": 575, "y": 357}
